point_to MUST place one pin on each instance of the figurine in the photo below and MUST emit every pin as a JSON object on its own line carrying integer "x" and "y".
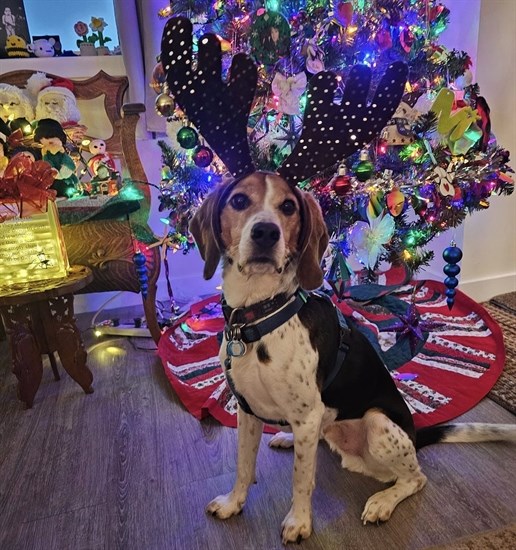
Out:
{"x": 14, "y": 103}
{"x": 54, "y": 99}
{"x": 50, "y": 135}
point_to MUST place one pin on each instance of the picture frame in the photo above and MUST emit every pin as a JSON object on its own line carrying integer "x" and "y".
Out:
{"x": 13, "y": 21}
{"x": 58, "y": 48}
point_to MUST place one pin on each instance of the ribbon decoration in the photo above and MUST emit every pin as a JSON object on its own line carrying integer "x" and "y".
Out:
{"x": 24, "y": 188}
{"x": 289, "y": 89}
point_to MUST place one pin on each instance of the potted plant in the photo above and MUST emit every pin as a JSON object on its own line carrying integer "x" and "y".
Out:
{"x": 86, "y": 44}
{"x": 98, "y": 25}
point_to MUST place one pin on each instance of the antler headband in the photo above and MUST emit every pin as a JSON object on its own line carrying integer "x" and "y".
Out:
{"x": 331, "y": 132}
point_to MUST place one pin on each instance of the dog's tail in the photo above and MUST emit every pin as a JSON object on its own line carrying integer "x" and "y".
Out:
{"x": 465, "y": 433}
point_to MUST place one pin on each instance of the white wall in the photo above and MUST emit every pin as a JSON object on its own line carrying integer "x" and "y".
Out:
{"x": 489, "y": 263}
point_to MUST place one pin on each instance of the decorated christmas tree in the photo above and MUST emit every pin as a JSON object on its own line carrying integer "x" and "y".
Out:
{"x": 434, "y": 162}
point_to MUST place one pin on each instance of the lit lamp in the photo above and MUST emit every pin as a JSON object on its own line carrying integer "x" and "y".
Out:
{"x": 31, "y": 242}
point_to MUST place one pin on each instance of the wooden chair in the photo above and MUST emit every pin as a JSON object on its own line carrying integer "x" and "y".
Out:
{"x": 106, "y": 246}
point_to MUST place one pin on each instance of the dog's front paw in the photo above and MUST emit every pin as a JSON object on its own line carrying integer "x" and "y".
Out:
{"x": 282, "y": 440}
{"x": 225, "y": 506}
{"x": 295, "y": 528}
{"x": 379, "y": 507}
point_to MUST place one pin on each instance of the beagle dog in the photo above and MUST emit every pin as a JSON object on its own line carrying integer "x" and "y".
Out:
{"x": 290, "y": 360}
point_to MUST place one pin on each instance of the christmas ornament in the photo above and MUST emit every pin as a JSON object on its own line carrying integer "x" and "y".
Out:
{"x": 364, "y": 168}
{"x": 314, "y": 56}
{"x": 444, "y": 179}
{"x": 158, "y": 78}
{"x": 139, "y": 260}
{"x": 203, "y": 156}
{"x": 369, "y": 237}
{"x": 384, "y": 39}
{"x": 406, "y": 39}
{"x": 342, "y": 13}
{"x": 341, "y": 183}
{"x": 452, "y": 255}
{"x": 376, "y": 204}
{"x": 395, "y": 201}
{"x": 289, "y": 90}
{"x": 270, "y": 37}
{"x": 411, "y": 326}
{"x": 164, "y": 105}
{"x": 399, "y": 129}
{"x": 187, "y": 137}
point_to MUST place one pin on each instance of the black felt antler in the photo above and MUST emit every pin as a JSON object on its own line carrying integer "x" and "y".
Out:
{"x": 219, "y": 110}
{"x": 332, "y": 132}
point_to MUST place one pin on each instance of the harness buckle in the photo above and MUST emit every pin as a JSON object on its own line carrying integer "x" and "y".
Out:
{"x": 235, "y": 347}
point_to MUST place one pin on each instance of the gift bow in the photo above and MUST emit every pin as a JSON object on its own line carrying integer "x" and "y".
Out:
{"x": 289, "y": 90}
{"x": 26, "y": 182}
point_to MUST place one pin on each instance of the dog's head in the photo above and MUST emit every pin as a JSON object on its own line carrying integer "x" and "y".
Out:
{"x": 259, "y": 224}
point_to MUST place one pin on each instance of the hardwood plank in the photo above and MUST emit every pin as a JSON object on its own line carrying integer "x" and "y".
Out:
{"x": 127, "y": 467}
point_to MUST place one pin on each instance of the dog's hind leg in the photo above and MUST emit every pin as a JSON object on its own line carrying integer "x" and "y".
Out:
{"x": 297, "y": 524}
{"x": 377, "y": 447}
{"x": 390, "y": 448}
{"x": 249, "y": 434}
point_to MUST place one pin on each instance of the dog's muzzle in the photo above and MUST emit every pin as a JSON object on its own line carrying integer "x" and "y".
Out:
{"x": 265, "y": 235}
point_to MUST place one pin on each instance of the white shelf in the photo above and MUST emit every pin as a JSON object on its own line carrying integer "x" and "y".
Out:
{"x": 70, "y": 67}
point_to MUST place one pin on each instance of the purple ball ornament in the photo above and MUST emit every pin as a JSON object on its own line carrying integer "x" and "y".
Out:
{"x": 452, "y": 255}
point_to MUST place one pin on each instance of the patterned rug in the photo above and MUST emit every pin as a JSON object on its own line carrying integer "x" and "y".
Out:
{"x": 503, "y": 309}
{"x": 497, "y": 539}
{"x": 441, "y": 375}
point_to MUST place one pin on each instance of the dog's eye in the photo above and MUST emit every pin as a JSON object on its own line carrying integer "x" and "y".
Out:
{"x": 239, "y": 201}
{"x": 288, "y": 207}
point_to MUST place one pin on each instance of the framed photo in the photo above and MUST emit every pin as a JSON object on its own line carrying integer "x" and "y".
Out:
{"x": 13, "y": 21}
{"x": 53, "y": 39}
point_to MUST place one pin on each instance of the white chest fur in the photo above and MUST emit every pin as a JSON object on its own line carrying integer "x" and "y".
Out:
{"x": 277, "y": 375}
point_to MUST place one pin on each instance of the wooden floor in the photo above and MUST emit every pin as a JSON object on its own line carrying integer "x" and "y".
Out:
{"x": 128, "y": 468}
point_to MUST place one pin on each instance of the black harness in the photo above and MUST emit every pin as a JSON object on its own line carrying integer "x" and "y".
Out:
{"x": 277, "y": 311}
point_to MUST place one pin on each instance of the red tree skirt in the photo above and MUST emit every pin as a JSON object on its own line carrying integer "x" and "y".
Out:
{"x": 455, "y": 367}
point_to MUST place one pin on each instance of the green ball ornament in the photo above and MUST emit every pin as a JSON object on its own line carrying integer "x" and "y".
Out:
{"x": 187, "y": 137}
{"x": 364, "y": 168}
{"x": 203, "y": 156}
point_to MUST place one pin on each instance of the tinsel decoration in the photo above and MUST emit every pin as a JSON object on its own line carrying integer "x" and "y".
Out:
{"x": 452, "y": 255}
{"x": 139, "y": 260}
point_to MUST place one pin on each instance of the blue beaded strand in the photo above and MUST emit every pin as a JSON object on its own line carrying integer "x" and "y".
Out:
{"x": 452, "y": 255}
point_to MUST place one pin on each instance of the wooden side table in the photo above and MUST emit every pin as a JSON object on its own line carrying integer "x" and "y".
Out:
{"x": 39, "y": 318}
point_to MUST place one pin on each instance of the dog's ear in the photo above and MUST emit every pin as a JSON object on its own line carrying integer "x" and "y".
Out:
{"x": 313, "y": 243}
{"x": 202, "y": 228}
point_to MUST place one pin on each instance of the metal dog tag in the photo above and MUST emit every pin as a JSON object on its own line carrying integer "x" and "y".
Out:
{"x": 236, "y": 348}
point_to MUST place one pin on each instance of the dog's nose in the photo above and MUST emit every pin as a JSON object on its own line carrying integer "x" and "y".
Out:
{"x": 265, "y": 235}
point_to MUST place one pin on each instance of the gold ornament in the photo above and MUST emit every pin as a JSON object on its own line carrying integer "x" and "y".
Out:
{"x": 165, "y": 105}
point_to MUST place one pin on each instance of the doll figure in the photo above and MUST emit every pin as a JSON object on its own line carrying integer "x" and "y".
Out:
{"x": 97, "y": 147}
{"x": 50, "y": 135}
{"x": 9, "y": 22}
{"x": 14, "y": 103}
{"x": 54, "y": 99}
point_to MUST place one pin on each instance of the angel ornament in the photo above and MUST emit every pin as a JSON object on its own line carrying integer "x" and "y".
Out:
{"x": 289, "y": 89}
